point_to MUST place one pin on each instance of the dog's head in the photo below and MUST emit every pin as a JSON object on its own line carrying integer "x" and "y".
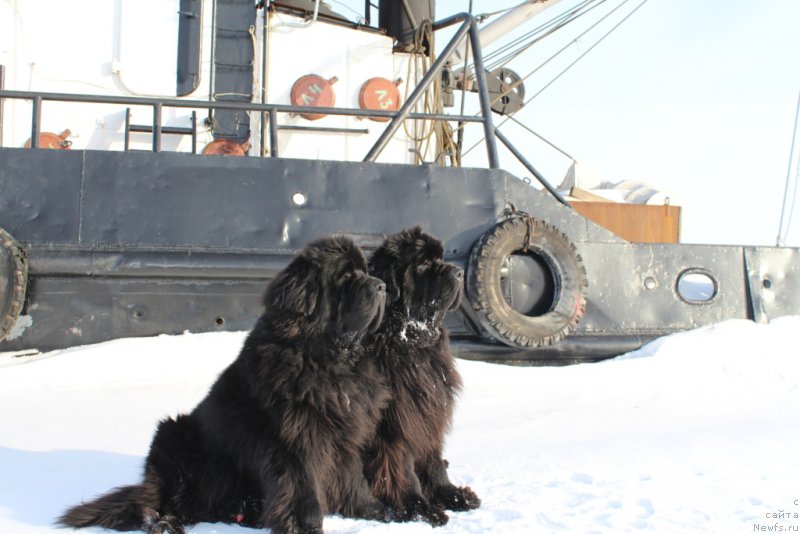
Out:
{"x": 421, "y": 287}
{"x": 326, "y": 291}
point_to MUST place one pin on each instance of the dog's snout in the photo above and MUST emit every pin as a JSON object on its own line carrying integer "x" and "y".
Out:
{"x": 457, "y": 273}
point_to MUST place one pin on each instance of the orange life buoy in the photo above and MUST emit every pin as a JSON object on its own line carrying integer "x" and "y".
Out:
{"x": 380, "y": 94}
{"x": 53, "y": 141}
{"x": 226, "y": 147}
{"x": 313, "y": 90}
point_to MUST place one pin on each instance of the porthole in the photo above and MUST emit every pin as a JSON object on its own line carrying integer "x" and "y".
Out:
{"x": 697, "y": 286}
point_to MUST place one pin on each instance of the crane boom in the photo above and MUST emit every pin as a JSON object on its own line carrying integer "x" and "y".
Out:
{"x": 510, "y": 20}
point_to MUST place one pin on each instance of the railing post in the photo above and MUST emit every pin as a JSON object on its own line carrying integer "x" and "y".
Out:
{"x": 36, "y": 121}
{"x": 194, "y": 132}
{"x": 127, "y": 141}
{"x": 483, "y": 96}
{"x": 262, "y": 138}
{"x": 273, "y": 133}
{"x": 157, "y": 127}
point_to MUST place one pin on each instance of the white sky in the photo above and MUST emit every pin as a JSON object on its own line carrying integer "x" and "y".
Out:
{"x": 696, "y": 97}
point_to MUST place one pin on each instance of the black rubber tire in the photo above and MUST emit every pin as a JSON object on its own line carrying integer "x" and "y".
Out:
{"x": 13, "y": 282}
{"x": 484, "y": 290}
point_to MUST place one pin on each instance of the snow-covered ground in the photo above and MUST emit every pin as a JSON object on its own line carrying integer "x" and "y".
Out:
{"x": 696, "y": 432}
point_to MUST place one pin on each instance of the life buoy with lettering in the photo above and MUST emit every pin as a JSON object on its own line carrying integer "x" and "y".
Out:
{"x": 313, "y": 90}
{"x": 379, "y": 94}
{"x": 13, "y": 282}
{"x": 543, "y": 300}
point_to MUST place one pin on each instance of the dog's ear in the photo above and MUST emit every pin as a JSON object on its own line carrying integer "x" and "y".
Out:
{"x": 382, "y": 264}
{"x": 412, "y": 234}
{"x": 294, "y": 289}
{"x": 428, "y": 246}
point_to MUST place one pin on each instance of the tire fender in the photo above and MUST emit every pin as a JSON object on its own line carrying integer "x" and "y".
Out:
{"x": 526, "y": 235}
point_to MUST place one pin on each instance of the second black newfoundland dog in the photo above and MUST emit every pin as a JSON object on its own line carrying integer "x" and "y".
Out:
{"x": 404, "y": 462}
{"x": 277, "y": 442}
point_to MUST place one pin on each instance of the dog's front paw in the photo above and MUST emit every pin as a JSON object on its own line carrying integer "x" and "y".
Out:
{"x": 457, "y": 499}
{"x": 418, "y": 509}
{"x": 161, "y": 524}
{"x": 434, "y": 515}
{"x": 378, "y": 512}
{"x": 295, "y": 526}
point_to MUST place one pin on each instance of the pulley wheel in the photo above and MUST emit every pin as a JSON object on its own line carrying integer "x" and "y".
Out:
{"x": 506, "y": 91}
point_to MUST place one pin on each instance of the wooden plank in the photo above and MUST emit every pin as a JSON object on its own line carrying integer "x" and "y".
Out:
{"x": 637, "y": 223}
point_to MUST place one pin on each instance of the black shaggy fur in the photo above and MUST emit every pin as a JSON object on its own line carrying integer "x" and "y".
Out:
{"x": 277, "y": 442}
{"x": 404, "y": 462}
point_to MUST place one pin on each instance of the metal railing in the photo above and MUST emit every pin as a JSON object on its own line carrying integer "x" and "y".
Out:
{"x": 272, "y": 110}
{"x": 158, "y": 104}
{"x": 468, "y": 29}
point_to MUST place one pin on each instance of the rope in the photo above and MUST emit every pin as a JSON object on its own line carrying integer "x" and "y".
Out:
{"x": 563, "y": 20}
{"x": 779, "y": 240}
{"x": 617, "y": 25}
{"x": 548, "y": 28}
{"x": 530, "y": 130}
{"x": 572, "y": 64}
{"x": 423, "y": 130}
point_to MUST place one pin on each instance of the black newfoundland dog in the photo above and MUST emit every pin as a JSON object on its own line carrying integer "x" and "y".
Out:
{"x": 277, "y": 442}
{"x": 404, "y": 463}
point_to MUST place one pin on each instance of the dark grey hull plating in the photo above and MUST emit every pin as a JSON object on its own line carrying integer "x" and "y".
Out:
{"x": 139, "y": 244}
